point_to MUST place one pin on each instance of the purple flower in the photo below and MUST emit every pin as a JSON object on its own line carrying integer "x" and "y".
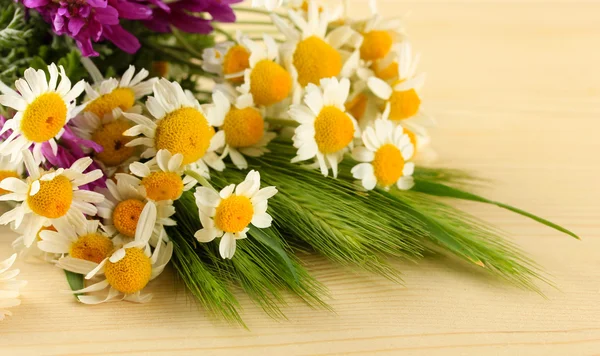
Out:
{"x": 184, "y": 14}
{"x": 89, "y": 21}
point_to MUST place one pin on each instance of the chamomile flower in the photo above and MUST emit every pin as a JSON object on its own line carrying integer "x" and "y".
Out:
{"x": 326, "y": 130}
{"x": 379, "y": 36}
{"x": 50, "y": 197}
{"x": 180, "y": 126}
{"x": 161, "y": 178}
{"x": 267, "y": 4}
{"x": 311, "y": 54}
{"x": 241, "y": 128}
{"x": 86, "y": 241}
{"x": 267, "y": 81}
{"x": 9, "y": 169}
{"x": 122, "y": 210}
{"x": 9, "y": 286}
{"x": 32, "y": 251}
{"x": 385, "y": 155}
{"x": 402, "y": 95}
{"x": 228, "y": 214}
{"x": 112, "y": 93}
{"x": 43, "y": 109}
{"x": 127, "y": 270}
{"x": 107, "y": 132}
{"x": 228, "y": 59}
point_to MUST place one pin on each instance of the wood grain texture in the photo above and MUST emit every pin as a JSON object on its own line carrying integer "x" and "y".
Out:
{"x": 515, "y": 88}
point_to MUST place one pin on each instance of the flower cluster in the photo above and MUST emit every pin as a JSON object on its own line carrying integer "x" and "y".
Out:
{"x": 94, "y": 179}
{"x": 93, "y": 21}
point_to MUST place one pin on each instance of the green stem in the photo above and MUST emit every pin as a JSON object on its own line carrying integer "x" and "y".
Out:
{"x": 265, "y": 23}
{"x": 185, "y": 43}
{"x": 203, "y": 181}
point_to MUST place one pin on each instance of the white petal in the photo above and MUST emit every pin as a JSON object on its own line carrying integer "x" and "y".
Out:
{"x": 380, "y": 88}
{"x": 227, "y": 246}
{"x": 262, "y": 220}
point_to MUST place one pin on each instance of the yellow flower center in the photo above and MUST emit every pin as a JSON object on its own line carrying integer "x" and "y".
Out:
{"x": 110, "y": 137}
{"x": 163, "y": 186}
{"x": 236, "y": 60}
{"x": 388, "y": 73}
{"x": 376, "y": 45}
{"x": 126, "y": 216}
{"x": 404, "y": 104}
{"x": 234, "y": 214}
{"x": 44, "y": 117}
{"x": 7, "y": 174}
{"x": 243, "y": 127}
{"x": 388, "y": 164}
{"x": 54, "y": 198}
{"x": 184, "y": 131}
{"x": 123, "y": 98}
{"x": 334, "y": 130}
{"x": 131, "y": 273}
{"x": 269, "y": 83}
{"x": 315, "y": 59}
{"x": 91, "y": 247}
{"x": 357, "y": 106}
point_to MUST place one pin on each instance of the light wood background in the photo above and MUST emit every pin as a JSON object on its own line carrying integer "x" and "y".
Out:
{"x": 515, "y": 87}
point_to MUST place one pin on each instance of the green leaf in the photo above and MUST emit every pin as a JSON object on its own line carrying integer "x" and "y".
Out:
{"x": 75, "y": 281}
{"x": 443, "y": 190}
{"x": 262, "y": 237}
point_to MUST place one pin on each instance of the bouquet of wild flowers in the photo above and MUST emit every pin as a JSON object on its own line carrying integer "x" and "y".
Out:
{"x": 236, "y": 153}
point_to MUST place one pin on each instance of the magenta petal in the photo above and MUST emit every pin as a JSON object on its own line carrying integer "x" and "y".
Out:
{"x": 133, "y": 11}
{"x": 190, "y": 24}
{"x": 107, "y": 16}
{"x": 35, "y": 3}
{"x": 85, "y": 45}
{"x": 121, "y": 38}
{"x": 97, "y": 3}
{"x": 75, "y": 25}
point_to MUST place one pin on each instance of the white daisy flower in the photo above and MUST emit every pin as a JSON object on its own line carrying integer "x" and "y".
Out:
{"x": 241, "y": 128}
{"x": 228, "y": 60}
{"x": 109, "y": 94}
{"x": 160, "y": 178}
{"x": 270, "y": 5}
{"x": 50, "y": 197}
{"x": 379, "y": 36}
{"x": 108, "y": 133}
{"x": 385, "y": 155}
{"x": 180, "y": 126}
{"x": 326, "y": 130}
{"x": 9, "y": 169}
{"x": 43, "y": 109}
{"x": 229, "y": 213}
{"x": 86, "y": 242}
{"x": 122, "y": 209}
{"x": 311, "y": 54}
{"x": 9, "y": 286}
{"x": 402, "y": 97}
{"x": 31, "y": 252}
{"x": 267, "y": 81}
{"x": 127, "y": 270}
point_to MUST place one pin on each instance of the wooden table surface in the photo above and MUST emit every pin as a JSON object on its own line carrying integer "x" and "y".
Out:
{"x": 516, "y": 90}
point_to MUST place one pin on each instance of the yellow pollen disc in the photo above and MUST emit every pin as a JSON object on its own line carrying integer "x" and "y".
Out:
{"x": 315, "y": 59}
{"x": 234, "y": 214}
{"x": 357, "y": 106}
{"x": 7, "y": 174}
{"x": 388, "y": 165}
{"x": 54, "y": 198}
{"x": 334, "y": 130}
{"x": 126, "y": 216}
{"x": 163, "y": 186}
{"x": 404, "y": 104}
{"x": 131, "y": 273}
{"x": 110, "y": 137}
{"x": 44, "y": 117}
{"x": 269, "y": 83}
{"x": 243, "y": 127}
{"x": 123, "y": 98}
{"x": 184, "y": 131}
{"x": 91, "y": 247}
{"x": 376, "y": 45}
{"x": 388, "y": 73}
{"x": 236, "y": 60}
